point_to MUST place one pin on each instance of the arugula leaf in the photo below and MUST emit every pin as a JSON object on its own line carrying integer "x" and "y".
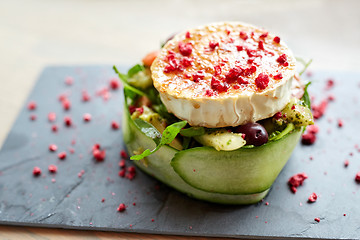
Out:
{"x": 148, "y": 129}
{"x": 306, "y": 98}
{"x": 192, "y": 131}
{"x": 168, "y": 136}
{"x": 124, "y": 79}
{"x": 135, "y": 69}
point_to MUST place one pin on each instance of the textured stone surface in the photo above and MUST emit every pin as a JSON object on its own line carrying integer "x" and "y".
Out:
{"x": 73, "y": 202}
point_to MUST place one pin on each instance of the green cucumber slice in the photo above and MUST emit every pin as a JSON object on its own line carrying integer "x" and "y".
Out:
{"x": 243, "y": 171}
{"x": 158, "y": 165}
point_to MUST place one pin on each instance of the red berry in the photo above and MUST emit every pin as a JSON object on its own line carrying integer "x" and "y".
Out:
{"x": 52, "y": 168}
{"x": 131, "y": 169}
{"x": 114, "y": 125}
{"x": 52, "y": 147}
{"x": 262, "y": 81}
{"x": 114, "y": 84}
{"x": 317, "y": 219}
{"x": 121, "y": 207}
{"x": 32, "y": 105}
{"x": 99, "y": 155}
{"x": 277, "y": 39}
{"x": 308, "y": 138}
{"x": 62, "y": 155}
{"x": 67, "y": 121}
{"x": 36, "y": 171}
{"x": 199, "y": 75}
{"x": 312, "y": 198}
{"x": 52, "y": 116}
{"x": 87, "y": 117}
{"x": 185, "y": 48}
{"x": 340, "y": 122}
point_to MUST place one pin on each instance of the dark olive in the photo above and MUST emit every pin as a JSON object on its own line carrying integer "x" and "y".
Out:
{"x": 255, "y": 134}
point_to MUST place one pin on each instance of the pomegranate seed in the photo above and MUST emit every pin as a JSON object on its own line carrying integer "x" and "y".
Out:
{"x": 313, "y": 129}
{"x": 67, "y": 121}
{"x": 32, "y": 105}
{"x": 312, "y": 198}
{"x": 308, "y": 138}
{"x": 131, "y": 169}
{"x": 114, "y": 125}
{"x": 87, "y": 117}
{"x": 52, "y": 168}
{"x": 276, "y": 39}
{"x": 62, "y": 155}
{"x": 278, "y": 115}
{"x": 52, "y": 147}
{"x": 36, "y": 171}
{"x": 121, "y": 207}
{"x": 114, "y": 84}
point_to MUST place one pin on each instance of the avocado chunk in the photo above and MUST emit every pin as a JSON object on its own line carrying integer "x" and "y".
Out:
{"x": 221, "y": 140}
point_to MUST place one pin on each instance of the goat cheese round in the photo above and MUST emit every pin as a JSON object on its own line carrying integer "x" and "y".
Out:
{"x": 224, "y": 74}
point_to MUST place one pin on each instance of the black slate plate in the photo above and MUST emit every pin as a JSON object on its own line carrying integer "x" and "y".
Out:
{"x": 73, "y": 202}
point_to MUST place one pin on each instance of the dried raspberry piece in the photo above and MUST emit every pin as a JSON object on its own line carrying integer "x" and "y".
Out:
{"x": 249, "y": 71}
{"x": 241, "y": 81}
{"x": 308, "y": 138}
{"x": 85, "y": 96}
{"x": 115, "y": 125}
{"x": 69, "y": 81}
{"x": 99, "y": 155}
{"x": 186, "y": 62}
{"x": 52, "y": 168}
{"x": 199, "y": 75}
{"x": 103, "y": 200}
{"x": 329, "y": 84}
{"x": 32, "y": 105}
{"x": 209, "y": 93}
{"x": 264, "y": 35}
{"x": 52, "y": 147}
{"x": 312, "y": 198}
{"x": 233, "y": 74}
{"x": 276, "y": 39}
{"x": 278, "y": 76}
{"x": 261, "y": 45}
{"x": 123, "y": 154}
{"x": 243, "y": 35}
{"x": 239, "y": 48}
{"x": 62, "y": 155}
{"x": 121, "y": 207}
{"x": 122, "y": 173}
{"x": 185, "y": 48}
{"x": 213, "y": 45}
{"x": 187, "y": 35}
{"x": 319, "y": 110}
{"x": 296, "y": 181}
{"x": 313, "y": 129}
{"x": 52, "y": 116}
{"x": 36, "y": 171}
{"x": 217, "y": 70}
{"x": 114, "y": 84}
{"x": 54, "y": 128}
{"x": 317, "y": 219}
{"x": 346, "y": 163}
{"x": 66, "y": 104}
{"x": 340, "y": 123}
{"x": 87, "y": 117}
{"x": 122, "y": 163}
{"x": 131, "y": 169}
{"x": 293, "y": 107}
{"x": 67, "y": 121}
{"x": 357, "y": 177}
{"x": 262, "y": 81}
{"x": 282, "y": 60}
{"x": 33, "y": 117}
{"x": 278, "y": 115}
{"x": 219, "y": 86}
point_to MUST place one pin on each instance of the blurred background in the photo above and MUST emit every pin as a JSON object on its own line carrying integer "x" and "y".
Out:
{"x": 37, "y": 33}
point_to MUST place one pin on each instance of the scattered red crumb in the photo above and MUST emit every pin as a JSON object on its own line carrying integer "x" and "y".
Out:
{"x": 357, "y": 177}
{"x": 185, "y": 48}
{"x": 52, "y": 168}
{"x": 85, "y": 96}
{"x": 261, "y": 45}
{"x": 213, "y": 45}
{"x": 53, "y": 180}
{"x": 114, "y": 84}
{"x": 239, "y": 48}
{"x": 134, "y": 203}
{"x": 67, "y": 121}
{"x": 123, "y": 154}
{"x": 331, "y": 97}
{"x": 33, "y": 117}
{"x": 278, "y": 76}
{"x": 122, "y": 173}
{"x": 340, "y": 123}
{"x": 317, "y": 219}
{"x": 344, "y": 214}
{"x": 276, "y": 39}
{"x": 282, "y": 60}
{"x": 122, "y": 163}
{"x": 87, "y": 117}
{"x": 313, "y": 129}
{"x": 346, "y": 163}
{"x": 264, "y": 35}
{"x": 262, "y": 81}
{"x": 188, "y": 35}
{"x": 36, "y": 171}
{"x": 81, "y": 173}
{"x": 69, "y": 81}
{"x": 66, "y": 104}
{"x": 71, "y": 150}
{"x": 99, "y": 155}
{"x": 267, "y": 203}
{"x": 52, "y": 147}
{"x": 103, "y": 200}
{"x": 190, "y": 227}
{"x": 153, "y": 220}
{"x": 52, "y": 117}
{"x": 329, "y": 84}
{"x": 312, "y": 198}
{"x": 54, "y": 128}
{"x": 308, "y": 138}
{"x": 62, "y": 155}
{"x": 319, "y": 110}
{"x": 114, "y": 125}
{"x": 243, "y": 35}
{"x": 296, "y": 181}
{"x": 32, "y": 105}
{"x": 121, "y": 207}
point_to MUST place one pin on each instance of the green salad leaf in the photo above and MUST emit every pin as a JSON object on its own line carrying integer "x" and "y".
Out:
{"x": 148, "y": 129}
{"x": 306, "y": 65}
{"x": 192, "y": 131}
{"x": 135, "y": 69}
{"x": 306, "y": 98}
{"x": 278, "y": 135}
{"x": 124, "y": 79}
{"x": 167, "y": 137}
